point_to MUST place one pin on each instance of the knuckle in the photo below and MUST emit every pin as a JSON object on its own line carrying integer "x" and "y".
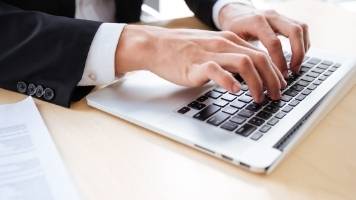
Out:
{"x": 245, "y": 64}
{"x": 271, "y": 12}
{"x": 304, "y": 26}
{"x": 228, "y": 35}
{"x": 261, "y": 57}
{"x": 297, "y": 30}
{"x": 274, "y": 42}
{"x": 219, "y": 42}
{"x": 260, "y": 18}
{"x": 211, "y": 67}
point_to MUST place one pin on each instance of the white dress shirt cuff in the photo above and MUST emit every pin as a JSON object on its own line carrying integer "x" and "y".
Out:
{"x": 100, "y": 64}
{"x": 220, "y": 4}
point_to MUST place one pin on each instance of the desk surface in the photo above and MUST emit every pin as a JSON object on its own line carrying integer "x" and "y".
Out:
{"x": 112, "y": 159}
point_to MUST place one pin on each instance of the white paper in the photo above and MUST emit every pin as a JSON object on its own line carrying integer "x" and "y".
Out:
{"x": 30, "y": 165}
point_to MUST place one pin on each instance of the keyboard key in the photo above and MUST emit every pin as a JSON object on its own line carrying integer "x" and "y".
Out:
{"x": 273, "y": 121}
{"x": 254, "y": 107}
{"x": 206, "y": 112}
{"x": 228, "y": 97}
{"x": 313, "y": 74}
{"x": 271, "y": 108}
{"x": 321, "y": 66}
{"x": 287, "y": 108}
{"x": 248, "y": 93}
{"x": 308, "y": 79}
{"x": 327, "y": 62}
{"x": 256, "y": 136}
{"x": 265, "y": 128}
{"x": 229, "y": 125}
{"x": 291, "y": 92}
{"x": 213, "y": 94}
{"x": 297, "y": 87}
{"x": 183, "y": 110}
{"x": 286, "y": 98}
{"x": 294, "y": 102}
{"x": 264, "y": 115}
{"x": 256, "y": 121}
{"x": 246, "y": 113}
{"x": 238, "y": 104}
{"x": 306, "y": 92}
{"x": 237, "y": 119}
{"x": 230, "y": 110}
{"x": 217, "y": 119}
{"x": 245, "y": 99}
{"x": 239, "y": 93}
{"x": 202, "y": 98}
{"x": 280, "y": 115}
{"x": 317, "y": 82}
{"x": 303, "y": 83}
{"x": 322, "y": 78}
{"x": 278, "y": 103}
{"x": 333, "y": 69}
{"x": 314, "y": 61}
{"x": 292, "y": 78}
{"x": 328, "y": 73}
{"x": 196, "y": 105}
{"x": 300, "y": 97}
{"x": 244, "y": 87}
{"x": 221, "y": 103}
{"x": 312, "y": 87}
{"x": 246, "y": 130}
{"x": 220, "y": 90}
{"x": 305, "y": 58}
{"x": 318, "y": 70}
{"x": 307, "y": 66}
{"x": 337, "y": 65}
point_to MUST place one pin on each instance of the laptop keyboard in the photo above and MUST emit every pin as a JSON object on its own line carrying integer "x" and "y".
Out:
{"x": 236, "y": 112}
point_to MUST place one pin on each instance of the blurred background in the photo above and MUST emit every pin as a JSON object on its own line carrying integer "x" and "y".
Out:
{"x": 168, "y": 9}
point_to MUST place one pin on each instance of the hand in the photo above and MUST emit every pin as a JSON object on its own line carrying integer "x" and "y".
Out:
{"x": 194, "y": 57}
{"x": 249, "y": 23}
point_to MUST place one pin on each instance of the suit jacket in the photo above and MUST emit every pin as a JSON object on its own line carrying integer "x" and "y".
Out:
{"x": 43, "y": 49}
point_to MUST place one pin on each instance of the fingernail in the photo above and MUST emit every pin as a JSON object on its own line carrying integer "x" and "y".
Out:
{"x": 284, "y": 84}
{"x": 285, "y": 74}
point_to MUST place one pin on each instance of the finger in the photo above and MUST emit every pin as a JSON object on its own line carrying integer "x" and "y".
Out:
{"x": 210, "y": 70}
{"x": 231, "y": 36}
{"x": 306, "y": 35}
{"x": 243, "y": 65}
{"x": 272, "y": 77}
{"x": 270, "y": 40}
{"x": 268, "y": 74}
{"x": 295, "y": 34}
{"x": 280, "y": 77}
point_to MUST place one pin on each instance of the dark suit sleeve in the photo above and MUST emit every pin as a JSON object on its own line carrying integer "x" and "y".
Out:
{"x": 203, "y": 10}
{"x": 45, "y": 51}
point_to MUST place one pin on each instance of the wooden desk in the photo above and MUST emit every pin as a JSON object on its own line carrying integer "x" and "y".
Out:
{"x": 111, "y": 159}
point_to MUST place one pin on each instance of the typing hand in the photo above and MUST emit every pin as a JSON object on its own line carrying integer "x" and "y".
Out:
{"x": 194, "y": 57}
{"x": 249, "y": 23}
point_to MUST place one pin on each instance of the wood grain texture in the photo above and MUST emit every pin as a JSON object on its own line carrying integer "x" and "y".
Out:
{"x": 112, "y": 159}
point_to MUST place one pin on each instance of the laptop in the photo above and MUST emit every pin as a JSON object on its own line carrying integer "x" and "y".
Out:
{"x": 230, "y": 126}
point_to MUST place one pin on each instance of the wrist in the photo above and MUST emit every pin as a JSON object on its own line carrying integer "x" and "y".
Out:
{"x": 231, "y": 11}
{"x": 133, "y": 48}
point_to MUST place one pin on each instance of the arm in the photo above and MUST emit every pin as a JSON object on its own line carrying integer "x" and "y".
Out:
{"x": 43, "y": 50}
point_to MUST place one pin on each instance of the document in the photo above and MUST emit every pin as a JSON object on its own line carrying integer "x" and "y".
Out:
{"x": 30, "y": 165}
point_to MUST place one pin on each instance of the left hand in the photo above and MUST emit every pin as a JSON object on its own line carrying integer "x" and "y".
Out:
{"x": 249, "y": 23}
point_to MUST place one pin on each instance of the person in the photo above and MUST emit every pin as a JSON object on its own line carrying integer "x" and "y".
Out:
{"x": 58, "y": 50}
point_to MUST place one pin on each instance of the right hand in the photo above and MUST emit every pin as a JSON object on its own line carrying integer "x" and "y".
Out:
{"x": 194, "y": 57}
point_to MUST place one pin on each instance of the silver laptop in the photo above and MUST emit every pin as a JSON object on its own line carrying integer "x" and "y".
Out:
{"x": 230, "y": 126}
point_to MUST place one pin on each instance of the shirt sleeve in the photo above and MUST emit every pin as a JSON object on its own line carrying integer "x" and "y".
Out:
{"x": 220, "y": 4}
{"x": 100, "y": 63}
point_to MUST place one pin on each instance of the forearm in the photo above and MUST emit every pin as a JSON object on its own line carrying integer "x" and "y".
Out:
{"x": 44, "y": 50}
